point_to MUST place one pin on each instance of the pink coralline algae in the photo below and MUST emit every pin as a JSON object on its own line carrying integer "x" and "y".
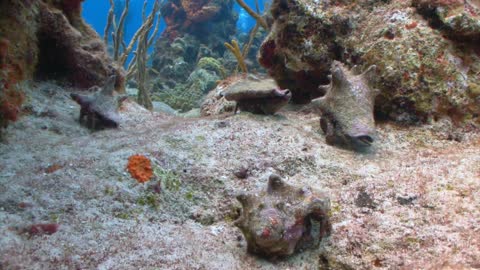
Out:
{"x": 42, "y": 229}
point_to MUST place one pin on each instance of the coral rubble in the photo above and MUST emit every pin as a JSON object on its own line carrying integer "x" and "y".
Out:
{"x": 278, "y": 221}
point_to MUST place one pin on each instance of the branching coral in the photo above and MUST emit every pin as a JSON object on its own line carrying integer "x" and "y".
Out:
{"x": 252, "y": 13}
{"x": 142, "y": 32}
{"x": 235, "y": 49}
{"x": 260, "y": 23}
{"x": 137, "y": 66}
{"x": 140, "y": 168}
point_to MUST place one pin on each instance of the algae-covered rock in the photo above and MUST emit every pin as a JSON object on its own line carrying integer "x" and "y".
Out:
{"x": 254, "y": 94}
{"x": 52, "y": 41}
{"x": 458, "y": 18}
{"x": 188, "y": 95}
{"x": 422, "y": 73}
{"x": 212, "y": 64}
{"x": 159, "y": 106}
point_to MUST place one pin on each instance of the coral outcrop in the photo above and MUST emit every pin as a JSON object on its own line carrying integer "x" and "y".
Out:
{"x": 459, "y": 19}
{"x": 347, "y": 107}
{"x": 426, "y": 52}
{"x": 257, "y": 96}
{"x": 99, "y": 110}
{"x": 278, "y": 221}
{"x": 53, "y": 42}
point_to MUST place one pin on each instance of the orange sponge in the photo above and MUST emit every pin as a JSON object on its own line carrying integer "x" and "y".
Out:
{"x": 140, "y": 168}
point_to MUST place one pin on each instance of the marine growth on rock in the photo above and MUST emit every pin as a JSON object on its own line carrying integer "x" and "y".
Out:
{"x": 347, "y": 107}
{"x": 426, "y": 52}
{"x": 283, "y": 219}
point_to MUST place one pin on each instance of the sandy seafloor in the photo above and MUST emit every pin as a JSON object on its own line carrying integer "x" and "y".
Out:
{"x": 423, "y": 182}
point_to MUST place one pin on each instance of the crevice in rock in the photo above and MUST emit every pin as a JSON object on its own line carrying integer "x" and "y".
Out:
{"x": 52, "y": 64}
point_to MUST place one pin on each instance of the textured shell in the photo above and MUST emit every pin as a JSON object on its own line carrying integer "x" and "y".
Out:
{"x": 277, "y": 221}
{"x": 250, "y": 89}
{"x": 106, "y": 106}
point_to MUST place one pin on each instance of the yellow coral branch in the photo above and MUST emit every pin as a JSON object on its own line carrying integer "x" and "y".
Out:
{"x": 252, "y": 13}
{"x": 235, "y": 49}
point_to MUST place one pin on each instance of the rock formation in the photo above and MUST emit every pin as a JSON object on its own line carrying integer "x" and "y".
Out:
{"x": 426, "y": 52}
{"x": 52, "y": 42}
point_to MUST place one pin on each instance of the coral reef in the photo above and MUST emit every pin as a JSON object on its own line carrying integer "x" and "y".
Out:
{"x": 99, "y": 110}
{"x": 279, "y": 220}
{"x": 191, "y": 16}
{"x": 257, "y": 96}
{"x": 194, "y": 39}
{"x": 347, "y": 107}
{"x": 189, "y": 94}
{"x": 212, "y": 64}
{"x": 427, "y": 60}
{"x": 140, "y": 168}
{"x": 53, "y": 42}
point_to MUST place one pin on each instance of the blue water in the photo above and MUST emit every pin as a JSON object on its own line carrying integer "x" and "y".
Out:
{"x": 95, "y": 13}
{"x": 245, "y": 21}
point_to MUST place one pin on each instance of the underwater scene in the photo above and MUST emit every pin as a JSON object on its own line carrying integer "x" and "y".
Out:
{"x": 240, "y": 134}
